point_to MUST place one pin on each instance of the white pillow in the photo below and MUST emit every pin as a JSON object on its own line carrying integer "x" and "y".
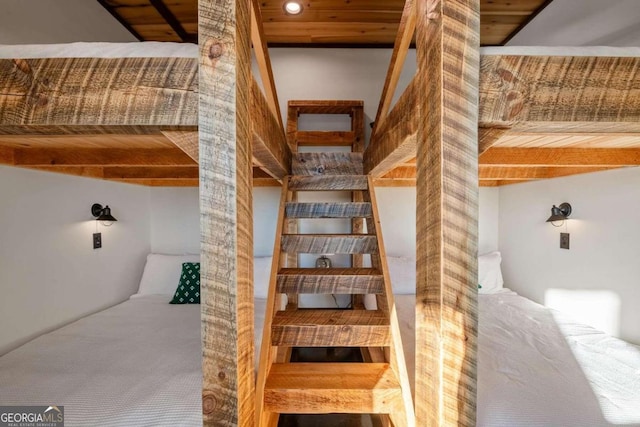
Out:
{"x": 489, "y": 273}
{"x": 261, "y": 276}
{"x": 403, "y": 274}
{"x": 162, "y": 273}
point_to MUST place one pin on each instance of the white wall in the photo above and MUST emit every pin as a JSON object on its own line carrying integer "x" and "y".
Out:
{"x": 58, "y": 21}
{"x": 605, "y": 240}
{"x": 49, "y": 272}
{"x": 175, "y": 220}
{"x": 583, "y": 23}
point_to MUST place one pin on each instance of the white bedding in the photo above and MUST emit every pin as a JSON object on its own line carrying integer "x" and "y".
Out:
{"x": 135, "y": 364}
{"x": 188, "y": 50}
{"x": 138, "y": 364}
{"x": 538, "y": 368}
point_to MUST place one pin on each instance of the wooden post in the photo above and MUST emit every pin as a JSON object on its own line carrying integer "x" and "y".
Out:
{"x": 447, "y": 206}
{"x": 228, "y": 393}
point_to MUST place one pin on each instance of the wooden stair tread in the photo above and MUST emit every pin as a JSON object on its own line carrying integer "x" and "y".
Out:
{"x": 334, "y": 271}
{"x": 329, "y": 281}
{"x": 330, "y": 163}
{"x": 328, "y": 210}
{"x": 320, "y": 388}
{"x": 328, "y": 183}
{"x": 329, "y": 243}
{"x": 330, "y": 328}
{"x": 325, "y": 106}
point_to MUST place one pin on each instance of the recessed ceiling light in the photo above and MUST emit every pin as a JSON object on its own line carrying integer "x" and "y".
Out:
{"x": 292, "y": 7}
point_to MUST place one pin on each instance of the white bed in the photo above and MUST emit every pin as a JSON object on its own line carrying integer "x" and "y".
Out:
{"x": 135, "y": 364}
{"x": 139, "y": 363}
{"x": 538, "y": 368}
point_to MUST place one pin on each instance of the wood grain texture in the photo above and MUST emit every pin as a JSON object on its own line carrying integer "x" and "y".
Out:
{"x": 329, "y": 183}
{"x": 332, "y": 387}
{"x": 261, "y": 53}
{"x": 394, "y": 141}
{"x": 488, "y": 137}
{"x": 329, "y": 163}
{"x": 264, "y": 417}
{"x": 319, "y": 138}
{"x": 526, "y": 173}
{"x": 561, "y": 157}
{"x": 330, "y": 281}
{"x": 447, "y": 210}
{"x": 592, "y": 91}
{"x": 328, "y": 210}
{"x": 270, "y": 149}
{"x": 186, "y": 141}
{"x": 101, "y": 157}
{"x": 404, "y": 37}
{"x": 329, "y": 243}
{"x": 324, "y": 106}
{"x": 330, "y": 328}
{"x": 228, "y": 395}
{"x": 99, "y": 91}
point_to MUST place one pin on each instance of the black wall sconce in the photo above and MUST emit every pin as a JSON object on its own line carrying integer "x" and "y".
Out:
{"x": 102, "y": 214}
{"x": 559, "y": 214}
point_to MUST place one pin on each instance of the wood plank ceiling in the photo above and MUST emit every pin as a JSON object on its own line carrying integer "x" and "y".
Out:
{"x": 371, "y": 23}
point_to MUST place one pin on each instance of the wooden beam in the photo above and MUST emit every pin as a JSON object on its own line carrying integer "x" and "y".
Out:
{"x": 407, "y": 174}
{"x": 141, "y": 172}
{"x": 226, "y": 213}
{"x": 99, "y": 91}
{"x": 551, "y": 93}
{"x": 395, "y": 141}
{"x": 100, "y": 157}
{"x": 186, "y": 141}
{"x": 447, "y": 210}
{"x": 175, "y": 25}
{"x": 403, "y": 40}
{"x": 320, "y": 138}
{"x": 6, "y": 156}
{"x": 261, "y": 52}
{"x": 185, "y": 182}
{"x": 487, "y": 137}
{"x": 493, "y": 173}
{"x": 601, "y": 157}
{"x": 270, "y": 148}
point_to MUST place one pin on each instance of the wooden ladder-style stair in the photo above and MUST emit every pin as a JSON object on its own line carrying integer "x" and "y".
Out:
{"x": 379, "y": 384}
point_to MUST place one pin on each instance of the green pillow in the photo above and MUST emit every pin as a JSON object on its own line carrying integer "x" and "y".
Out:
{"x": 188, "y": 291}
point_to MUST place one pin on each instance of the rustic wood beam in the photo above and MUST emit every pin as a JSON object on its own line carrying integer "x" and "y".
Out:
{"x": 93, "y": 130}
{"x": 403, "y": 40}
{"x": 270, "y": 148}
{"x": 6, "y": 156}
{"x": 320, "y": 138}
{"x": 395, "y": 141}
{"x": 100, "y": 157}
{"x": 602, "y": 157}
{"x": 141, "y": 172}
{"x": 180, "y": 182}
{"x": 226, "y": 213}
{"x": 99, "y": 92}
{"x": 259, "y": 41}
{"x": 551, "y": 93}
{"x": 187, "y": 141}
{"x": 447, "y": 210}
{"x": 487, "y": 137}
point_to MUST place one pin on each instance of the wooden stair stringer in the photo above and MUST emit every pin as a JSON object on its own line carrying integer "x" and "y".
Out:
{"x": 269, "y": 353}
{"x": 396, "y": 352}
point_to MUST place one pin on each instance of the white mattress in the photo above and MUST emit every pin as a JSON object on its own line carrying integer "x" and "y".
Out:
{"x": 188, "y": 50}
{"x": 135, "y": 364}
{"x": 101, "y": 50}
{"x": 138, "y": 364}
{"x": 538, "y": 368}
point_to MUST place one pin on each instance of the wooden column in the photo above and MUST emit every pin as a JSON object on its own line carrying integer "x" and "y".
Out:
{"x": 226, "y": 213}
{"x": 447, "y": 206}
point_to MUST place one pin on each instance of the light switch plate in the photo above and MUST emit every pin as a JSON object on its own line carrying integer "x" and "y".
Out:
{"x": 97, "y": 240}
{"x": 564, "y": 240}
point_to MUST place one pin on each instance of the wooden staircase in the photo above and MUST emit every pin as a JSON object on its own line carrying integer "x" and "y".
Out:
{"x": 378, "y": 384}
